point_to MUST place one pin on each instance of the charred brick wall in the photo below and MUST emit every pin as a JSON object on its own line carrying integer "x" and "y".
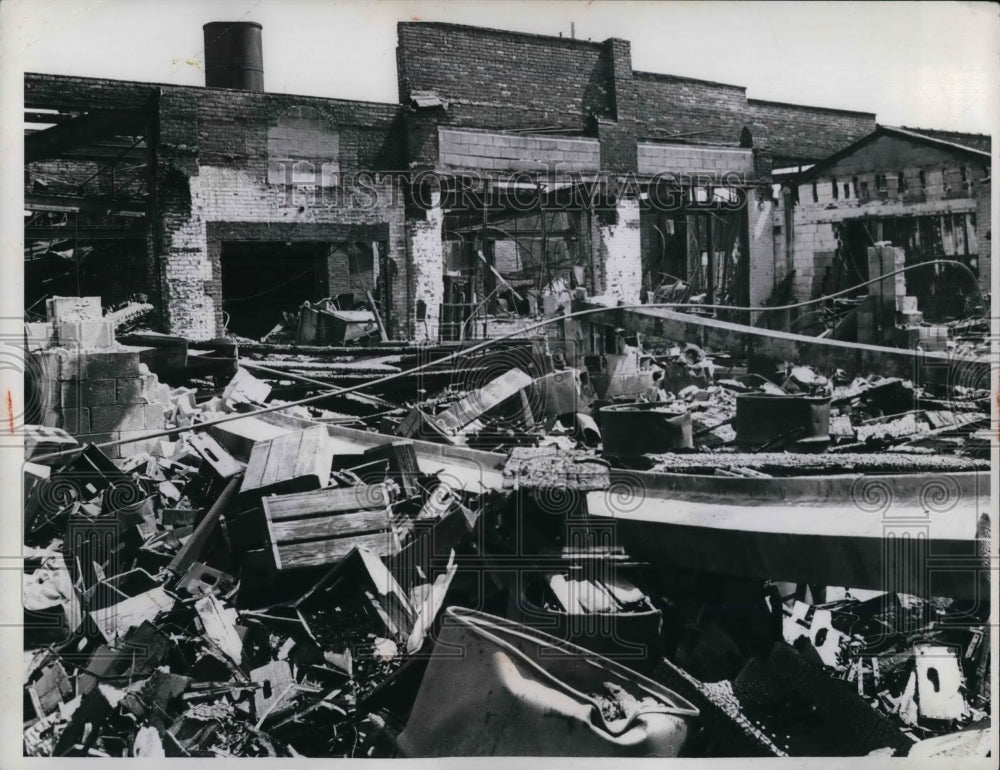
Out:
{"x": 800, "y": 134}
{"x": 493, "y": 78}
{"x": 690, "y": 110}
{"x": 212, "y": 168}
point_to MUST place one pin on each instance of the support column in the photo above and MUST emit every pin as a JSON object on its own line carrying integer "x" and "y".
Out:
{"x": 622, "y": 253}
{"x": 423, "y": 236}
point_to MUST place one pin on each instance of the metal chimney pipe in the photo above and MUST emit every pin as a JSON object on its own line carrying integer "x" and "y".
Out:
{"x": 234, "y": 56}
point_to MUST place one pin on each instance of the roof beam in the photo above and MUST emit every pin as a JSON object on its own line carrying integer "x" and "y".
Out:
{"x": 56, "y": 140}
{"x": 90, "y": 204}
{"x": 83, "y": 233}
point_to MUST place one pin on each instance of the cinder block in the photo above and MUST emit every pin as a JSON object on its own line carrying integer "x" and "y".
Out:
{"x": 139, "y": 445}
{"x": 77, "y": 420}
{"x": 113, "y": 365}
{"x": 64, "y": 309}
{"x": 129, "y": 390}
{"x": 86, "y": 335}
{"x": 77, "y": 393}
{"x": 153, "y": 416}
{"x": 38, "y": 335}
{"x": 906, "y": 304}
{"x": 120, "y": 417}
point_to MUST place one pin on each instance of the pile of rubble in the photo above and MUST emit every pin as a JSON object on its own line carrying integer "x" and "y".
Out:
{"x": 264, "y": 582}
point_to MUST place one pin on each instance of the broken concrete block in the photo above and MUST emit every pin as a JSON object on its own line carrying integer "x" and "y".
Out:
{"x": 65, "y": 309}
{"x": 38, "y": 336}
{"x": 39, "y": 440}
{"x": 245, "y": 387}
{"x": 223, "y": 464}
{"x": 939, "y": 683}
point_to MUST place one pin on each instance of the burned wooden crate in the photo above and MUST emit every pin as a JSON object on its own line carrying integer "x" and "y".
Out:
{"x": 316, "y": 529}
{"x": 398, "y": 461}
{"x": 320, "y": 326}
{"x": 294, "y": 462}
{"x": 360, "y": 587}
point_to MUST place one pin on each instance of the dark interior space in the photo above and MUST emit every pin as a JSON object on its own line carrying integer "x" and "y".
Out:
{"x": 261, "y": 279}
{"x": 115, "y": 271}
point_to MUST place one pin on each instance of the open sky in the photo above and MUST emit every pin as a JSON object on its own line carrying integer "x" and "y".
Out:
{"x": 926, "y": 64}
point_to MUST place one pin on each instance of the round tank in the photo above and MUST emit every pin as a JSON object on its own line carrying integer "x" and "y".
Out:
{"x": 234, "y": 55}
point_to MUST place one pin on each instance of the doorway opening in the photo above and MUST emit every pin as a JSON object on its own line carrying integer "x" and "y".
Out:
{"x": 263, "y": 279}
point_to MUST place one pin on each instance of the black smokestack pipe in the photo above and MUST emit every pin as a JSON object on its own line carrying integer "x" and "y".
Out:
{"x": 234, "y": 56}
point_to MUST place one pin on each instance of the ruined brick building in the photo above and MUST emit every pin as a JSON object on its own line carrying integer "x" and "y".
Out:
{"x": 513, "y": 168}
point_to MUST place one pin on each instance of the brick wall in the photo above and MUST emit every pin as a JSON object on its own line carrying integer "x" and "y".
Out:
{"x": 507, "y": 152}
{"x": 685, "y": 108}
{"x": 218, "y": 157}
{"x": 799, "y": 134}
{"x": 495, "y": 78}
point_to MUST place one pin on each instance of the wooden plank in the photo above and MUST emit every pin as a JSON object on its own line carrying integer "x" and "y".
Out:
{"x": 190, "y": 552}
{"x": 331, "y": 551}
{"x": 565, "y": 594}
{"x": 326, "y": 501}
{"x": 483, "y": 400}
{"x": 318, "y": 529}
{"x": 623, "y": 590}
{"x": 591, "y": 596}
{"x": 293, "y": 462}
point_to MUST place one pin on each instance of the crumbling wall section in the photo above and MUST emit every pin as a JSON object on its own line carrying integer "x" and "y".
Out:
{"x": 262, "y": 159}
{"x": 426, "y": 257}
{"x": 984, "y": 235}
{"x": 761, "y": 245}
{"x": 622, "y": 253}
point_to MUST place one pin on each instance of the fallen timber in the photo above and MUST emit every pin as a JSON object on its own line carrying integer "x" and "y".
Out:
{"x": 461, "y": 468}
{"x": 767, "y": 345}
{"x": 915, "y": 534}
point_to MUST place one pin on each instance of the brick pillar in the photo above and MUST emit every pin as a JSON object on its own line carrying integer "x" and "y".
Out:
{"x": 423, "y": 236}
{"x": 620, "y": 249}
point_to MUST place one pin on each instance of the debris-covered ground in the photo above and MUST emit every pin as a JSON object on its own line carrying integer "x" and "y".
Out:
{"x": 280, "y": 584}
